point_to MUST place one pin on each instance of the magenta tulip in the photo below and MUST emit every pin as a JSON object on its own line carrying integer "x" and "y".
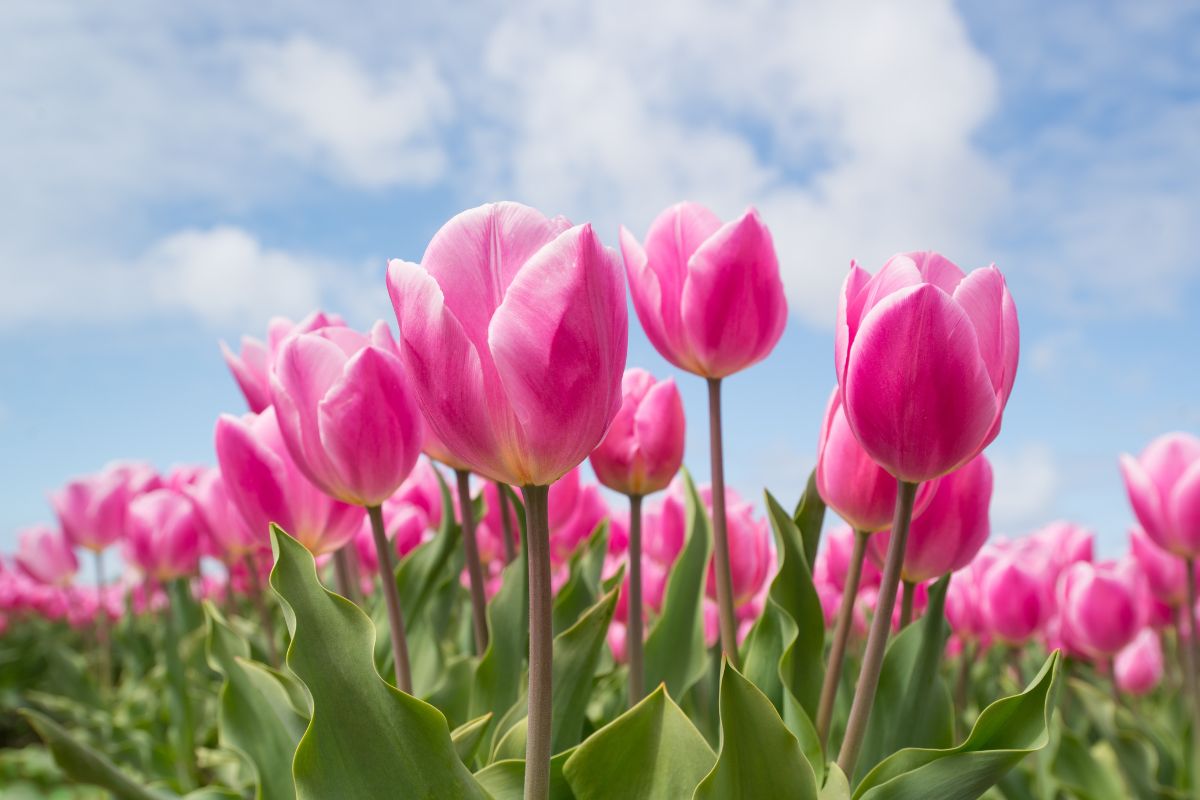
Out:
{"x": 46, "y": 555}
{"x": 92, "y": 509}
{"x": 833, "y": 563}
{"x": 226, "y": 527}
{"x": 1011, "y": 599}
{"x": 751, "y": 550}
{"x": 952, "y": 528}
{"x": 1098, "y": 607}
{"x": 164, "y": 535}
{"x": 267, "y": 486}
{"x": 644, "y": 447}
{"x": 251, "y": 367}
{"x": 925, "y": 358}
{"x": 1164, "y": 489}
{"x": 1139, "y": 667}
{"x": 1166, "y": 574}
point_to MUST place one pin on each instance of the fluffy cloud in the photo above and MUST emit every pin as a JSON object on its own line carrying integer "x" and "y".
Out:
{"x": 1027, "y": 485}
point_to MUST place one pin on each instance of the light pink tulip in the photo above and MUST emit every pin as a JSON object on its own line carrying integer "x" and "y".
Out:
{"x": 513, "y": 332}
{"x": 251, "y": 366}
{"x": 267, "y": 486}
{"x": 1139, "y": 667}
{"x": 347, "y": 414}
{"x": 1166, "y": 573}
{"x": 46, "y": 555}
{"x": 1012, "y": 600}
{"x": 708, "y": 293}
{"x": 225, "y": 526}
{"x": 1164, "y": 489}
{"x": 951, "y": 530}
{"x": 644, "y": 447}
{"x": 164, "y": 534}
{"x": 1099, "y": 613}
{"x": 92, "y": 509}
{"x": 925, "y": 358}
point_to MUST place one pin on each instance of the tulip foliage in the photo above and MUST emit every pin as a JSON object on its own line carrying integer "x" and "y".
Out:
{"x": 328, "y": 613}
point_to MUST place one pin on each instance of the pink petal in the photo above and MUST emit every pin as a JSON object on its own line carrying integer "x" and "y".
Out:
{"x": 849, "y": 314}
{"x": 307, "y": 366}
{"x": 937, "y": 269}
{"x": 1146, "y": 501}
{"x": 984, "y": 297}
{"x": 1184, "y": 511}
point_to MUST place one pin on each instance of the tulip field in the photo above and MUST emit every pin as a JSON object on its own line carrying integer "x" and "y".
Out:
{"x": 397, "y": 577}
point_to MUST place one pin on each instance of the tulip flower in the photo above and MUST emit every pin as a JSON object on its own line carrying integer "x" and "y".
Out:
{"x": 1139, "y": 667}
{"x": 1164, "y": 489}
{"x": 92, "y": 509}
{"x": 164, "y": 535}
{"x": 711, "y": 301}
{"x": 1166, "y": 574}
{"x": 1098, "y": 606}
{"x": 513, "y": 331}
{"x": 1011, "y": 600}
{"x": 251, "y": 366}
{"x": 46, "y": 555}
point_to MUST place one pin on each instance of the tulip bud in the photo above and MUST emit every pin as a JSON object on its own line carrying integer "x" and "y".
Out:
{"x": 1139, "y": 667}
{"x": 1098, "y": 606}
{"x": 164, "y": 534}
{"x": 644, "y": 446}
{"x": 1011, "y": 596}
{"x": 1164, "y": 489}
{"x": 251, "y": 367}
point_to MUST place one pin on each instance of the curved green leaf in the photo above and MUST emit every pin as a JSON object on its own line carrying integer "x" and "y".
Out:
{"x": 582, "y": 588}
{"x": 505, "y": 780}
{"x": 1006, "y": 731}
{"x": 759, "y": 756}
{"x": 809, "y": 517}
{"x": 836, "y": 786}
{"x": 366, "y": 738}
{"x": 467, "y": 737}
{"x": 497, "y": 678}
{"x": 652, "y": 750}
{"x": 255, "y": 718}
{"x": 675, "y": 654}
{"x": 577, "y": 651}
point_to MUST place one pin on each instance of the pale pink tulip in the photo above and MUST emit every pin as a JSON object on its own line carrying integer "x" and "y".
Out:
{"x": 46, "y": 555}
{"x": 1139, "y": 667}
{"x": 1166, "y": 573}
{"x": 224, "y": 523}
{"x": 92, "y": 509}
{"x": 1164, "y": 489}
{"x": 164, "y": 534}
{"x": 251, "y": 367}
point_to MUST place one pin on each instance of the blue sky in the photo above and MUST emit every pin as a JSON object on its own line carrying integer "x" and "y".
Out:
{"x": 174, "y": 177}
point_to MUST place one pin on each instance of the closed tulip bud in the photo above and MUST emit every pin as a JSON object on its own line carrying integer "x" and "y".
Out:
{"x": 92, "y": 509}
{"x": 708, "y": 293}
{"x": 1166, "y": 574}
{"x": 251, "y": 367}
{"x": 1164, "y": 489}
{"x": 267, "y": 486}
{"x": 46, "y": 555}
{"x": 1099, "y": 612}
{"x": 644, "y": 447}
{"x": 1139, "y": 667}
{"x": 751, "y": 549}
{"x": 513, "y": 330}
{"x": 164, "y": 534}
{"x": 951, "y": 530}
{"x": 850, "y": 482}
{"x": 925, "y": 357}
{"x": 1011, "y": 598}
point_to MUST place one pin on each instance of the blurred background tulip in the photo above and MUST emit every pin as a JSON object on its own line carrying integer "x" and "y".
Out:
{"x": 46, "y": 555}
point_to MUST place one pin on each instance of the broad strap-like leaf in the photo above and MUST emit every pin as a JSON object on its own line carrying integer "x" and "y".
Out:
{"x": 675, "y": 653}
{"x": 1005, "y": 732}
{"x": 365, "y": 738}
{"x": 759, "y": 756}
{"x": 652, "y": 750}
{"x": 498, "y": 677}
{"x": 809, "y": 517}
{"x": 505, "y": 780}
{"x": 468, "y": 736}
{"x": 582, "y": 588}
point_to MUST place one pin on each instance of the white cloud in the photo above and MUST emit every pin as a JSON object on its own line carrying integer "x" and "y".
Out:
{"x": 1027, "y": 485}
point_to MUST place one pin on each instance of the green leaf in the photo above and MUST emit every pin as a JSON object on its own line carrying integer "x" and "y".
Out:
{"x": 1077, "y": 769}
{"x": 652, "y": 750}
{"x": 675, "y": 653}
{"x": 836, "y": 786}
{"x": 505, "y": 780}
{"x": 582, "y": 588}
{"x": 577, "y": 651}
{"x": 1006, "y": 731}
{"x": 83, "y": 764}
{"x": 912, "y": 707}
{"x": 468, "y": 736}
{"x": 255, "y": 717}
{"x": 497, "y": 678}
{"x": 421, "y": 571}
{"x": 759, "y": 756}
{"x": 809, "y": 517}
{"x": 366, "y": 738}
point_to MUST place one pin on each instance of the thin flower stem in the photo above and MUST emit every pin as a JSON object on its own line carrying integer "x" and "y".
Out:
{"x": 1189, "y": 613}
{"x": 541, "y": 643}
{"x": 391, "y": 596}
{"x": 103, "y": 634}
{"x": 633, "y": 631}
{"x": 258, "y": 597}
{"x": 881, "y": 628}
{"x": 345, "y": 578}
{"x": 724, "y": 576}
{"x": 510, "y": 538}
{"x": 841, "y": 634}
{"x": 474, "y": 568}
{"x": 907, "y": 596}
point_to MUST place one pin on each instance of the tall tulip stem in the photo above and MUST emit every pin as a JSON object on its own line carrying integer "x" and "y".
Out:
{"x": 633, "y": 632}
{"x": 259, "y": 599}
{"x": 391, "y": 596}
{"x": 510, "y": 539}
{"x": 102, "y": 628}
{"x": 474, "y": 568}
{"x": 1189, "y": 613}
{"x": 541, "y": 643}
{"x": 345, "y": 575}
{"x": 720, "y": 528}
{"x": 881, "y": 628}
{"x": 907, "y": 596}
{"x": 841, "y": 634}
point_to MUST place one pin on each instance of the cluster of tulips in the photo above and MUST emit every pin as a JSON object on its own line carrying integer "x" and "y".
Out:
{"x": 481, "y": 622}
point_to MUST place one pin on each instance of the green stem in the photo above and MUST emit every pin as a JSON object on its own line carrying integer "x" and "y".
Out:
{"x": 633, "y": 631}
{"x": 183, "y": 718}
{"x": 474, "y": 568}
{"x": 345, "y": 578}
{"x": 391, "y": 597}
{"x": 510, "y": 538}
{"x": 841, "y": 634}
{"x": 906, "y": 603}
{"x": 541, "y": 643}
{"x": 103, "y": 631}
{"x": 881, "y": 628}
{"x": 728, "y": 622}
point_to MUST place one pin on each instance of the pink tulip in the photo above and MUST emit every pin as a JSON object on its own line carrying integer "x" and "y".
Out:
{"x": 224, "y": 523}
{"x": 91, "y": 510}
{"x": 925, "y": 357}
{"x": 751, "y": 549}
{"x": 1098, "y": 606}
{"x": 1011, "y": 598}
{"x": 252, "y": 366}
{"x": 1166, "y": 574}
{"x": 1139, "y": 667}
{"x": 850, "y": 482}
{"x": 708, "y": 294}
{"x": 267, "y": 486}
{"x": 644, "y": 447}
{"x": 164, "y": 534}
{"x": 407, "y": 527}
{"x": 46, "y": 555}
{"x": 347, "y": 414}
{"x": 1164, "y": 489}
{"x": 952, "y": 528}
{"x": 574, "y": 529}
{"x": 513, "y": 330}
{"x": 833, "y": 561}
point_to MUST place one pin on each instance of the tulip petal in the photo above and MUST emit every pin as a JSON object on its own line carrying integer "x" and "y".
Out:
{"x": 306, "y": 367}
{"x": 984, "y": 296}
{"x": 733, "y": 307}
{"x": 1146, "y": 501}
{"x": 935, "y": 268}
{"x": 250, "y": 372}
{"x": 849, "y": 314}
{"x": 254, "y": 476}
{"x": 917, "y": 394}
{"x": 1184, "y": 510}
{"x": 559, "y": 342}
{"x": 659, "y": 427}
